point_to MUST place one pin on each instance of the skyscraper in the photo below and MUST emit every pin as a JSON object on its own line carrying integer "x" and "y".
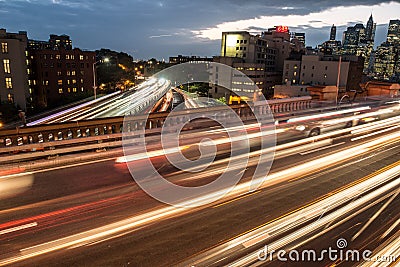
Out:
{"x": 370, "y": 30}
{"x": 393, "y": 36}
{"x": 359, "y": 40}
{"x": 333, "y": 33}
{"x": 387, "y": 58}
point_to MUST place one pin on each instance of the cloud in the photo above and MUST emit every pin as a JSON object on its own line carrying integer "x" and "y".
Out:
{"x": 337, "y": 15}
{"x": 160, "y": 36}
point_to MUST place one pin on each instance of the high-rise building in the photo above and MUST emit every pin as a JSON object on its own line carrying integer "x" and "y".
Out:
{"x": 260, "y": 57}
{"x": 332, "y": 36}
{"x": 370, "y": 30}
{"x": 359, "y": 40}
{"x": 387, "y": 55}
{"x": 59, "y": 72}
{"x": 393, "y": 36}
{"x": 13, "y": 71}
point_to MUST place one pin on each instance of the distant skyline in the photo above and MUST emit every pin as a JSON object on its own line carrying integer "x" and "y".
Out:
{"x": 161, "y": 29}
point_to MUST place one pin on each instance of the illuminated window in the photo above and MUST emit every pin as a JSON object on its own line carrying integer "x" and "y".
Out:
{"x": 68, "y": 73}
{"x": 69, "y": 90}
{"x": 4, "y": 48}
{"x": 73, "y": 73}
{"x": 74, "y": 81}
{"x": 8, "y": 83}
{"x": 82, "y": 89}
{"x": 81, "y": 80}
{"x": 10, "y": 98}
{"x": 295, "y": 73}
{"x": 28, "y": 71}
{"x": 6, "y": 64}
{"x": 58, "y": 57}
{"x": 325, "y": 76}
{"x": 58, "y": 73}
{"x": 66, "y": 56}
{"x": 60, "y": 82}
{"x": 81, "y": 57}
{"x": 60, "y": 90}
{"x": 72, "y": 57}
{"x": 74, "y": 89}
{"x": 68, "y": 82}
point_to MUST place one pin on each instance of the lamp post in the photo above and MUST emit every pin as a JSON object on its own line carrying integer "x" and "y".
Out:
{"x": 94, "y": 74}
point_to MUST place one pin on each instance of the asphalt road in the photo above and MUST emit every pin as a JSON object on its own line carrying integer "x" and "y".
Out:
{"x": 66, "y": 201}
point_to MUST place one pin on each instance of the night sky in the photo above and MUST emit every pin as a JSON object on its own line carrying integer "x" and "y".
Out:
{"x": 160, "y": 29}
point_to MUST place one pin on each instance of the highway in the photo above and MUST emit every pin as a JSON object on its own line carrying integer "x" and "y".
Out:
{"x": 137, "y": 100}
{"x": 93, "y": 213}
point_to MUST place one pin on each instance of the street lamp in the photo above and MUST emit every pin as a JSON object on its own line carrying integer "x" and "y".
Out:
{"x": 94, "y": 73}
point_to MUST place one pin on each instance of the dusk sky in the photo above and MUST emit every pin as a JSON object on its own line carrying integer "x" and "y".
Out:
{"x": 160, "y": 29}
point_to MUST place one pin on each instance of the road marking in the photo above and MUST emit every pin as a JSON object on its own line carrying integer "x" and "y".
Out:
{"x": 321, "y": 148}
{"x": 239, "y": 198}
{"x": 18, "y": 228}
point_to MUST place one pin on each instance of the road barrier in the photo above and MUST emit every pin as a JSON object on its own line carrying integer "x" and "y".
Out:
{"x": 44, "y": 137}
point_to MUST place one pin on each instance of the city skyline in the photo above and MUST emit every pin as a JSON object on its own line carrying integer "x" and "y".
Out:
{"x": 162, "y": 29}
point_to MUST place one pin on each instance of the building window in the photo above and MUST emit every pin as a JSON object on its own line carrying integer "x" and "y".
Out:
{"x": 74, "y": 89}
{"x": 313, "y": 67}
{"x": 295, "y": 73}
{"x": 82, "y": 72}
{"x": 294, "y": 81}
{"x": 295, "y": 67}
{"x": 8, "y": 83}
{"x": 325, "y": 76}
{"x": 10, "y": 98}
{"x": 312, "y": 74}
{"x": 6, "y": 64}
{"x": 60, "y": 82}
{"x": 82, "y": 89}
{"x": 68, "y": 73}
{"x": 326, "y": 67}
{"x": 74, "y": 81}
{"x": 66, "y": 56}
{"x": 58, "y": 57}
{"x": 58, "y": 73}
{"x": 60, "y": 90}
{"x": 73, "y": 73}
{"x": 81, "y": 80}
{"x": 4, "y": 48}
{"x": 81, "y": 57}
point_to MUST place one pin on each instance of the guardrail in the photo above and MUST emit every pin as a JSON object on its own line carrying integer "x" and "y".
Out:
{"x": 71, "y": 133}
